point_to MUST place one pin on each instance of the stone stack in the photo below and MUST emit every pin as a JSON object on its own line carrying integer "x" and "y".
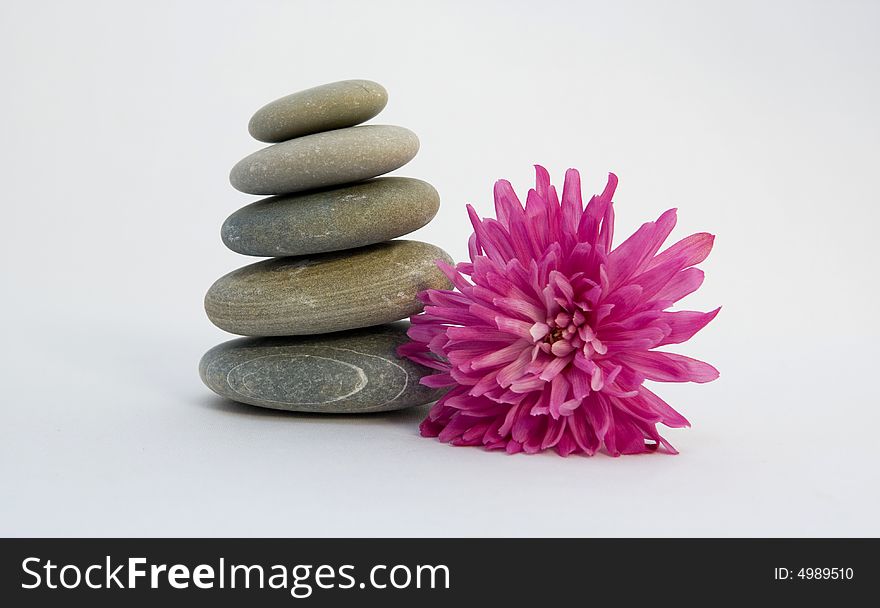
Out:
{"x": 321, "y": 312}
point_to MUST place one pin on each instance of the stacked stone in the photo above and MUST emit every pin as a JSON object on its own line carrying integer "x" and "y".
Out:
{"x": 321, "y": 312}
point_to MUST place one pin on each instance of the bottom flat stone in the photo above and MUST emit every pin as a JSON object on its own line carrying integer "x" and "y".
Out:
{"x": 347, "y": 372}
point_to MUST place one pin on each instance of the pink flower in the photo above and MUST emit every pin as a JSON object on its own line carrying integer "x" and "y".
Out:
{"x": 550, "y": 342}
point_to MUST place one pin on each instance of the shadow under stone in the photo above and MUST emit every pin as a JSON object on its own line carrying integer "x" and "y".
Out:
{"x": 222, "y": 405}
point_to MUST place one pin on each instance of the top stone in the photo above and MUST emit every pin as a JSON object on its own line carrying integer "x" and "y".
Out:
{"x": 330, "y": 106}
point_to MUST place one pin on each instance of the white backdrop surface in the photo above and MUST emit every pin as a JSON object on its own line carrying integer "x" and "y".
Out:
{"x": 758, "y": 120}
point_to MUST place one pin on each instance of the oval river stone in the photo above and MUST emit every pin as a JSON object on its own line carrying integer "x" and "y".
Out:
{"x": 325, "y": 159}
{"x": 326, "y": 292}
{"x": 331, "y": 106}
{"x": 347, "y": 372}
{"x": 331, "y": 220}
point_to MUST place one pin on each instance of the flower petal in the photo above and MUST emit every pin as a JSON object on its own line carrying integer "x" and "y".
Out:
{"x": 668, "y": 367}
{"x": 635, "y": 252}
{"x": 684, "y": 324}
{"x": 690, "y": 250}
{"x": 683, "y": 283}
{"x": 501, "y": 356}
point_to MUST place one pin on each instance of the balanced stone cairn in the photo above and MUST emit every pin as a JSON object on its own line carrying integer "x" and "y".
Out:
{"x": 321, "y": 313}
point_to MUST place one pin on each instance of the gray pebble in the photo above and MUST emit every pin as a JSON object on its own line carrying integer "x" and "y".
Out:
{"x": 342, "y": 373}
{"x": 326, "y": 292}
{"x": 325, "y": 159}
{"x": 330, "y": 106}
{"x": 331, "y": 220}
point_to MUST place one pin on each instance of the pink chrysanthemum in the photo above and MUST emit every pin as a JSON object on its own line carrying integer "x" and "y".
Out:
{"x": 549, "y": 343}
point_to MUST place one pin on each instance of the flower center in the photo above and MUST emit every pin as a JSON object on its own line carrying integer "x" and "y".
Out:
{"x": 566, "y": 333}
{"x": 554, "y": 336}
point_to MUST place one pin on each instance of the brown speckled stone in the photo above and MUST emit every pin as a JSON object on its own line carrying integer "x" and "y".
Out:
{"x": 331, "y": 220}
{"x": 325, "y": 159}
{"x": 326, "y": 292}
{"x": 330, "y": 106}
{"x": 349, "y": 372}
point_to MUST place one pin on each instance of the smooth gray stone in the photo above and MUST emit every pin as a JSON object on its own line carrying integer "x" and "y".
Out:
{"x": 343, "y": 373}
{"x": 325, "y": 159}
{"x": 326, "y": 292}
{"x": 331, "y": 220}
{"x": 330, "y": 106}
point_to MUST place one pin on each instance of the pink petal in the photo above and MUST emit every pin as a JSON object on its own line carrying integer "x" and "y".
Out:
{"x": 499, "y": 357}
{"x": 636, "y": 251}
{"x": 554, "y": 368}
{"x": 628, "y": 437}
{"x": 527, "y": 385}
{"x": 572, "y": 203}
{"x": 521, "y": 329}
{"x": 437, "y": 380}
{"x": 684, "y": 324}
{"x": 582, "y": 432}
{"x": 581, "y": 362}
{"x": 558, "y": 394}
{"x": 566, "y": 444}
{"x": 598, "y": 415}
{"x": 580, "y": 382}
{"x": 683, "y": 283}
{"x": 606, "y": 231}
{"x": 561, "y": 348}
{"x": 668, "y": 416}
{"x": 515, "y": 370}
{"x": 588, "y": 228}
{"x": 538, "y": 331}
{"x": 597, "y": 380}
{"x": 506, "y": 201}
{"x": 513, "y": 447}
{"x": 690, "y": 250}
{"x": 553, "y": 434}
{"x": 453, "y": 275}
{"x": 485, "y": 334}
{"x": 668, "y": 367}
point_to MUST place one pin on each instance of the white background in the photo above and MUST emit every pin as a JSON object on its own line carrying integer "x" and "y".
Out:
{"x": 758, "y": 120}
